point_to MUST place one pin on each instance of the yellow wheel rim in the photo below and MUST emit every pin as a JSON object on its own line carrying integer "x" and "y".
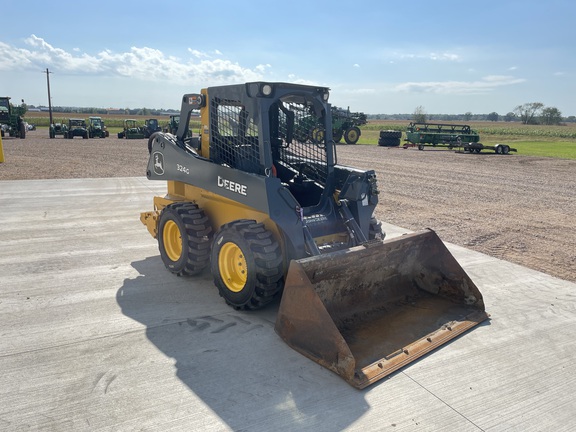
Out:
{"x": 318, "y": 135}
{"x": 172, "y": 240}
{"x": 352, "y": 135}
{"x": 233, "y": 267}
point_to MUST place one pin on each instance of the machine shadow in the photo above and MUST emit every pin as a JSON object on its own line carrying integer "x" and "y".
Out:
{"x": 234, "y": 361}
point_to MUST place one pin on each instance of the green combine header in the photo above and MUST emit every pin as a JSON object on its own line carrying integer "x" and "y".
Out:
{"x": 438, "y": 134}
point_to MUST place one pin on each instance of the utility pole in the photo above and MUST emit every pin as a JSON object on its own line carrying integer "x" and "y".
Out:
{"x": 49, "y": 98}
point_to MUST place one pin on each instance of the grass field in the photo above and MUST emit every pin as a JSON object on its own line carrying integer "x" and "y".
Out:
{"x": 530, "y": 140}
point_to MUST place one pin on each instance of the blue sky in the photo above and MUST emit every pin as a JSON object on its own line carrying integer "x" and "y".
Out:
{"x": 377, "y": 57}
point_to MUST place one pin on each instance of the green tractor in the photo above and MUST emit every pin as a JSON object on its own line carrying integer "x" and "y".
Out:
{"x": 173, "y": 123}
{"x": 58, "y": 129}
{"x": 12, "y": 118}
{"x": 172, "y": 126}
{"x": 97, "y": 128}
{"x": 346, "y": 124}
{"x": 308, "y": 129}
{"x": 151, "y": 126}
{"x": 131, "y": 130}
{"x": 76, "y": 127}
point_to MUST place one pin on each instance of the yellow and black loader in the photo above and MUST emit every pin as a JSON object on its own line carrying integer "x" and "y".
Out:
{"x": 259, "y": 198}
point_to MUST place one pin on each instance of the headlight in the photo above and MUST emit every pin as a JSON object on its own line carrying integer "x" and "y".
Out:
{"x": 266, "y": 89}
{"x": 325, "y": 96}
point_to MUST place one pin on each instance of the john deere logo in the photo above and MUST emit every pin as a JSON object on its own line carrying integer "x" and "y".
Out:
{"x": 158, "y": 163}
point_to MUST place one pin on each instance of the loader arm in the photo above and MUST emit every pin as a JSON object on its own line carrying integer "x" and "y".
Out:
{"x": 190, "y": 102}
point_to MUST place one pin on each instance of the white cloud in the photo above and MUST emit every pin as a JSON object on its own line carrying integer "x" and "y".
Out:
{"x": 198, "y": 54}
{"x": 358, "y": 91}
{"x": 445, "y": 56}
{"x": 304, "y": 81}
{"x": 142, "y": 63}
{"x": 293, "y": 78}
{"x": 503, "y": 79}
{"x": 262, "y": 67}
{"x": 485, "y": 85}
{"x": 356, "y": 65}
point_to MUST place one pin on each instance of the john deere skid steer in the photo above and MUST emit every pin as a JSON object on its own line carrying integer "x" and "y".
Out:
{"x": 272, "y": 215}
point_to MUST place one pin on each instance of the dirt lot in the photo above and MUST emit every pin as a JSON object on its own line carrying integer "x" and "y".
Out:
{"x": 520, "y": 209}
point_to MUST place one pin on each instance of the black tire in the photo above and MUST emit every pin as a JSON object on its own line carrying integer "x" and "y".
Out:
{"x": 184, "y": 234}
{"x": 318, "y": 135}
{"x": 390, "y": 134}
{"x": 389, "y": 142}
{"x": 352, "y": 135}
{"x": 498, "y": 149}
{"x": 337, "y": 135}
{"x": 22, "y": 130}
{"x": 151, "y": 140}
{"x": 505, "y": 150}
{"x": 247, "y": 265}
{"x": 420, "y": 146}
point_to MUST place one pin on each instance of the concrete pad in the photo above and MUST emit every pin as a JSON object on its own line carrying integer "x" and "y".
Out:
{"x": 95, "y": 334}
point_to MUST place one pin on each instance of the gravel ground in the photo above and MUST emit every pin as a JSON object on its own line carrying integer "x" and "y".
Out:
{"x": 517, "y": 208}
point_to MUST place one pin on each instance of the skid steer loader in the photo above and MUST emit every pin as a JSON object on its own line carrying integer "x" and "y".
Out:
{"x": 272, "y": 213}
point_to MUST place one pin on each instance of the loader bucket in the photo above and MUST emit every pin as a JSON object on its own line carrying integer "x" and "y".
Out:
{"x": 367, "y": 311}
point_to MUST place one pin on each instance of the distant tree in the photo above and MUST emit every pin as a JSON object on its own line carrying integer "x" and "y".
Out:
{"x": 529, "y": 112}
{"x": 467, "y": 116}
{"x": 419, "y": 115}
{"x": 510, "y": 117}
{"x": 550, "y": 116}
{"x": 493, "y": 116}
{"x": 571, "y": 119}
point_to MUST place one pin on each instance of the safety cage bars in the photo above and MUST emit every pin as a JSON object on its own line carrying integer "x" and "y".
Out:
{"x": 296, "y": 131}
{"x": 234, "y": 137}
{"x": 304, "y": 147}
